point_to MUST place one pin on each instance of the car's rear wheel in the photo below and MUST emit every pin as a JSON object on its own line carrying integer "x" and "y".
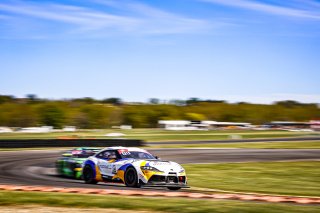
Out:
{"x": 88, "y": 175}
{"x": 59, "y": 168}
{"x": 174, "y": 188}
{"x": 131, "y": 178}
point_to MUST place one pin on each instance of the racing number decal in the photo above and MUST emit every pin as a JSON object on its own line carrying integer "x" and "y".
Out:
{"x": 124, "y": 152}
{"x": 114, "y": 169}
{"x": 76, "y": 152}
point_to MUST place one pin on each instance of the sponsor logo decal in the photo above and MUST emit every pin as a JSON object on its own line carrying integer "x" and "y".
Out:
{"x": 161, "y": 163}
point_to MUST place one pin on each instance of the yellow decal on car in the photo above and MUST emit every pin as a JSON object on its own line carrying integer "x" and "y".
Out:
{"x": 98, "y": 174}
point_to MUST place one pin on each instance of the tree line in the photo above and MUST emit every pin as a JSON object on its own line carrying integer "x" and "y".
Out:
{"x": 89, "y": 113}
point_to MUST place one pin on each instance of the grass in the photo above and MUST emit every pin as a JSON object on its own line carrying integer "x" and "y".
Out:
{"x": 252, "y": 145}
{"x": 151, "y": 135}
{"x": 149, "y": 204}
{"x": 284, "y": 178}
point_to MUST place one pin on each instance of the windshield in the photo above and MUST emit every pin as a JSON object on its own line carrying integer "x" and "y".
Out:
{"x": 135, "y": 154}
{"x": 84, "y": 153}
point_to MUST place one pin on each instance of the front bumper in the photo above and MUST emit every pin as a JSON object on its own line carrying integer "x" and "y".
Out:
{"x": 166, "y": 185}
{"x": 167, "y": 181}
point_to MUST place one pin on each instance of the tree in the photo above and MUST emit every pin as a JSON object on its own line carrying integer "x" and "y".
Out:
{"x": 289, "y": 103}
{"x": 195, "y": 116}
{"x": 154, "y": 101}
{"x": 6, "y": 98}
{"x": 115, "y": 117}
{"x": 51, "y": 115}
{"x": 32, "y": 98}
{"x": 90, "y": 113}
{"x": 114, "y": 101}
{"x": 192, "y": 101}
{"x": 17, "y": 115}
{"x": 87, "y": 100}
{"x": 94, "y": 116}
{"x": 177, "y": 102}
{"x": 81, "y": 120}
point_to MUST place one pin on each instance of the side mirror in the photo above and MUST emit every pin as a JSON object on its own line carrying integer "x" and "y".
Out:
{"x": 157, "y": 157}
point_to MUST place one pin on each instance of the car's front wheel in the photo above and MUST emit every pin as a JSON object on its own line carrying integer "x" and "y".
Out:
{"x": 88, "y": 175}
{"x": 131, "y": 178}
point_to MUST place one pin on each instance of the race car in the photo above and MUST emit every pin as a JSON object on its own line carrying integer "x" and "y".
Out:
{"x": 70, "y": 164}
{"x": 133, "y": 167}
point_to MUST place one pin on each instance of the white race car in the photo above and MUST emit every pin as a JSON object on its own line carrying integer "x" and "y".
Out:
{"x": 134, "y": 167}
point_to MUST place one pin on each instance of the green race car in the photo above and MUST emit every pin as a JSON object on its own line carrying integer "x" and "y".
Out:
{"x": 70, "y": 163}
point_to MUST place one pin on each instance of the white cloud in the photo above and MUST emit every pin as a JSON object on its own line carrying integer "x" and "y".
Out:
{"x": 134, "y": 18}
{"x": 70, "y": 15}
{"x": 160, "y": 20}
{"x": 304, "y": 10}
{"x": 157, "y": 21}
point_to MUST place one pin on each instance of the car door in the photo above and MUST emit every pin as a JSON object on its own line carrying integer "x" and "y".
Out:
{"x": 105, "y": 163}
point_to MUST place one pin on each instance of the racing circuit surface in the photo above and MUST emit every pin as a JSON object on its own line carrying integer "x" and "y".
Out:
{"x": 37, "y": 167}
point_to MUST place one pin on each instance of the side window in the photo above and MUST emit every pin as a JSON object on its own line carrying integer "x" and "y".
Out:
{"x": 104, "y": 154}
{"x": 108, "y": 154}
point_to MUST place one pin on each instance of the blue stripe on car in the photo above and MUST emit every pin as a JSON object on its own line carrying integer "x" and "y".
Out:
{"x": 125, "y": 166}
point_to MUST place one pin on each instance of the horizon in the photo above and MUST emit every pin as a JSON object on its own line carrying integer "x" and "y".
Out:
{"x": 149, "y": 100}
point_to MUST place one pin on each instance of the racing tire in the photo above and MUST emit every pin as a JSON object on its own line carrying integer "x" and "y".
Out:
{"x": 88, "y": 175}
{"x": 174, "y": 188}
{"x": 59, "y": 169}
{"x": 131, "y": 178}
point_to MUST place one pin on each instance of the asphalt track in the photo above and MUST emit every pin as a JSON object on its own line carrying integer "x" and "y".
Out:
{"x": 37, "y": 167}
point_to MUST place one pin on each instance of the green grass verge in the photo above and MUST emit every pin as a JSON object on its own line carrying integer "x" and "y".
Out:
{"x": 286, "y": 178}
{"x": 149, "y": 204}
{"x": 200, "y": 137}
{"x": 151, "y": 135}
{"x": 252, "y": 145}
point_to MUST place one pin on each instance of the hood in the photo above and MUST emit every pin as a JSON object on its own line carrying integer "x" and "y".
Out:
{"x": 79, "y": 160}
{"x": 164, "y": 166}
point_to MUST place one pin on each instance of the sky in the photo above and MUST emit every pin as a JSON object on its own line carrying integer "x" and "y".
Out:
{"x": 257, "y": 51}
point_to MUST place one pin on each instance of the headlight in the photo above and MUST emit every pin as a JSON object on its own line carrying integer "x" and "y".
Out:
{"x": 181, "y": 169}
{"x": 150, "y": 168}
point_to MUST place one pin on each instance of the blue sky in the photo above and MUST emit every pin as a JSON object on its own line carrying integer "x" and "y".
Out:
{"x": 235, "y": 50}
